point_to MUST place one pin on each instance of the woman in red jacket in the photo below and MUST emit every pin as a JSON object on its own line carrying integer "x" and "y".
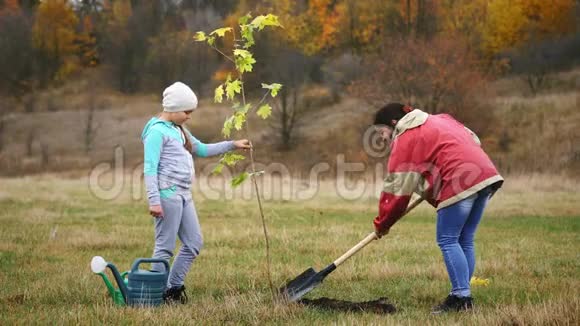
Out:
{"x": 441, "y": 160}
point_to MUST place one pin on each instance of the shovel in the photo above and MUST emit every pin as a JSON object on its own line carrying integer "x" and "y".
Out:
{"x": 309, "y": 279}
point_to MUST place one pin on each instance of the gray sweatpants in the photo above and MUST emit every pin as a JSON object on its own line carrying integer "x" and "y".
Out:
{"x": 179, "y": 219}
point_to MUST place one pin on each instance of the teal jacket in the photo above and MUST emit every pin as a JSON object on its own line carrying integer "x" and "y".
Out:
{"x": 167, "y": 163}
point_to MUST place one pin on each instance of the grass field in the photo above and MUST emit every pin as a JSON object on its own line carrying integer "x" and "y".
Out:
{"x": 528, "y": 246}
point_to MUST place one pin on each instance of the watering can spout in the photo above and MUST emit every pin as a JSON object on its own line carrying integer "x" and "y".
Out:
{"x": 120, "y": 282}
{"x": 98, "y": 266}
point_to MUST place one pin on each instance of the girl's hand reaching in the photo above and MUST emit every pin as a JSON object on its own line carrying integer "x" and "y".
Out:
{"x": 242, "y": 144}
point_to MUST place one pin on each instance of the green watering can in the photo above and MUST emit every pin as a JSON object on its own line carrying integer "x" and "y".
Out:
{"x": 136, "y": 287}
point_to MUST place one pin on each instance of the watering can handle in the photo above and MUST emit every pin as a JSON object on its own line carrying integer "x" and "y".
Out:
{"x": 139, "y": 261}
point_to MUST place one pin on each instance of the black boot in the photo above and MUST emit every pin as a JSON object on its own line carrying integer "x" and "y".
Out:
{"x": 175, "y": 294}
{"x": 453, "y": 303}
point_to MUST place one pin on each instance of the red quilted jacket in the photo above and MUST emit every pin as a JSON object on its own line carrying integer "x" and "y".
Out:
{"x": 436, "y": 157}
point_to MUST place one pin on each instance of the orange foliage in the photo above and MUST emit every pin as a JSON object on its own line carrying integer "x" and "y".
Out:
{"x": 10, "y": 5}
{"x": 463, "y": 17}
{"x": 363, "y": 23}
{"x": 54, "y": 33}
{"x": 437, "y": 74}
{"x": 546, "y": 18}
{"x": 313, "y": 29}
{"x": 511, "y": 23}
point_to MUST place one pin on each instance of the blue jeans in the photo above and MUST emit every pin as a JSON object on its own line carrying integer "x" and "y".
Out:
{"x": 456, "y": 226}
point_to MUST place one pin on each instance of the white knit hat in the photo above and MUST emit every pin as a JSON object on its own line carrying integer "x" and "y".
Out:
{"x": 179, "y": 97}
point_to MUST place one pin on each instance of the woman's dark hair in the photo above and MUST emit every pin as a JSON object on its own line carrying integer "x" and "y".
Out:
{"x": 390, "y": 112}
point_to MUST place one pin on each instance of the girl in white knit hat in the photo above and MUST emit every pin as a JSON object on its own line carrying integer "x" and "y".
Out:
{"x": 168, "y": 167}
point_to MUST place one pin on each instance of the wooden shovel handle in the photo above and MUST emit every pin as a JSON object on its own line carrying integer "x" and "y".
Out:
{"x": 413, "y": 205}
{"x": 369, "y": 238}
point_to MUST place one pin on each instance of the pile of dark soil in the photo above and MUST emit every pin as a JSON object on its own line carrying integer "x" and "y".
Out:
{"x": 379, "y": 306}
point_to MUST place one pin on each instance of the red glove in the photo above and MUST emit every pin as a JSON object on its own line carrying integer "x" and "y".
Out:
{"x": 391, "y": 209}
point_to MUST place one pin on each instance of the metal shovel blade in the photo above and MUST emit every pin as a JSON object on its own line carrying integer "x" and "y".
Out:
{"x": 304, "y": 283}
{"x": 299, "y": 286}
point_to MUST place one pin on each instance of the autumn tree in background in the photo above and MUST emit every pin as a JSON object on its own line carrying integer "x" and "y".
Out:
{"x": 464, "y": 19}
{"x": 550, "y": 18}
{"x": 169, "y": 57}
{"x": 166, "y": 58}
{"x": 28, "y": 5}
{"x": 365, "y": 24}
{"x": 131, "y": 45}
{"x": 527, "y": 33}
{"x": 512, "y": 23}
{"x": 312, "y": 26}
{"x": 9, "y": 6}
{"x": 16, "y": 51}
{"x": 145, "y": 44}
{"x": 172, "y": 56}
{"x": 15, "y": 55}
{"x": 91, "y": 20}
{"x": 296, "y": 72}
{"x": 326, "y": 27}
{"x": 535, "y": 60}
{"x": 54, "y": 35}
{"x": 126, "y": 44}
{"x": 419, "y": 16}
{"x": 441, "y": 75}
